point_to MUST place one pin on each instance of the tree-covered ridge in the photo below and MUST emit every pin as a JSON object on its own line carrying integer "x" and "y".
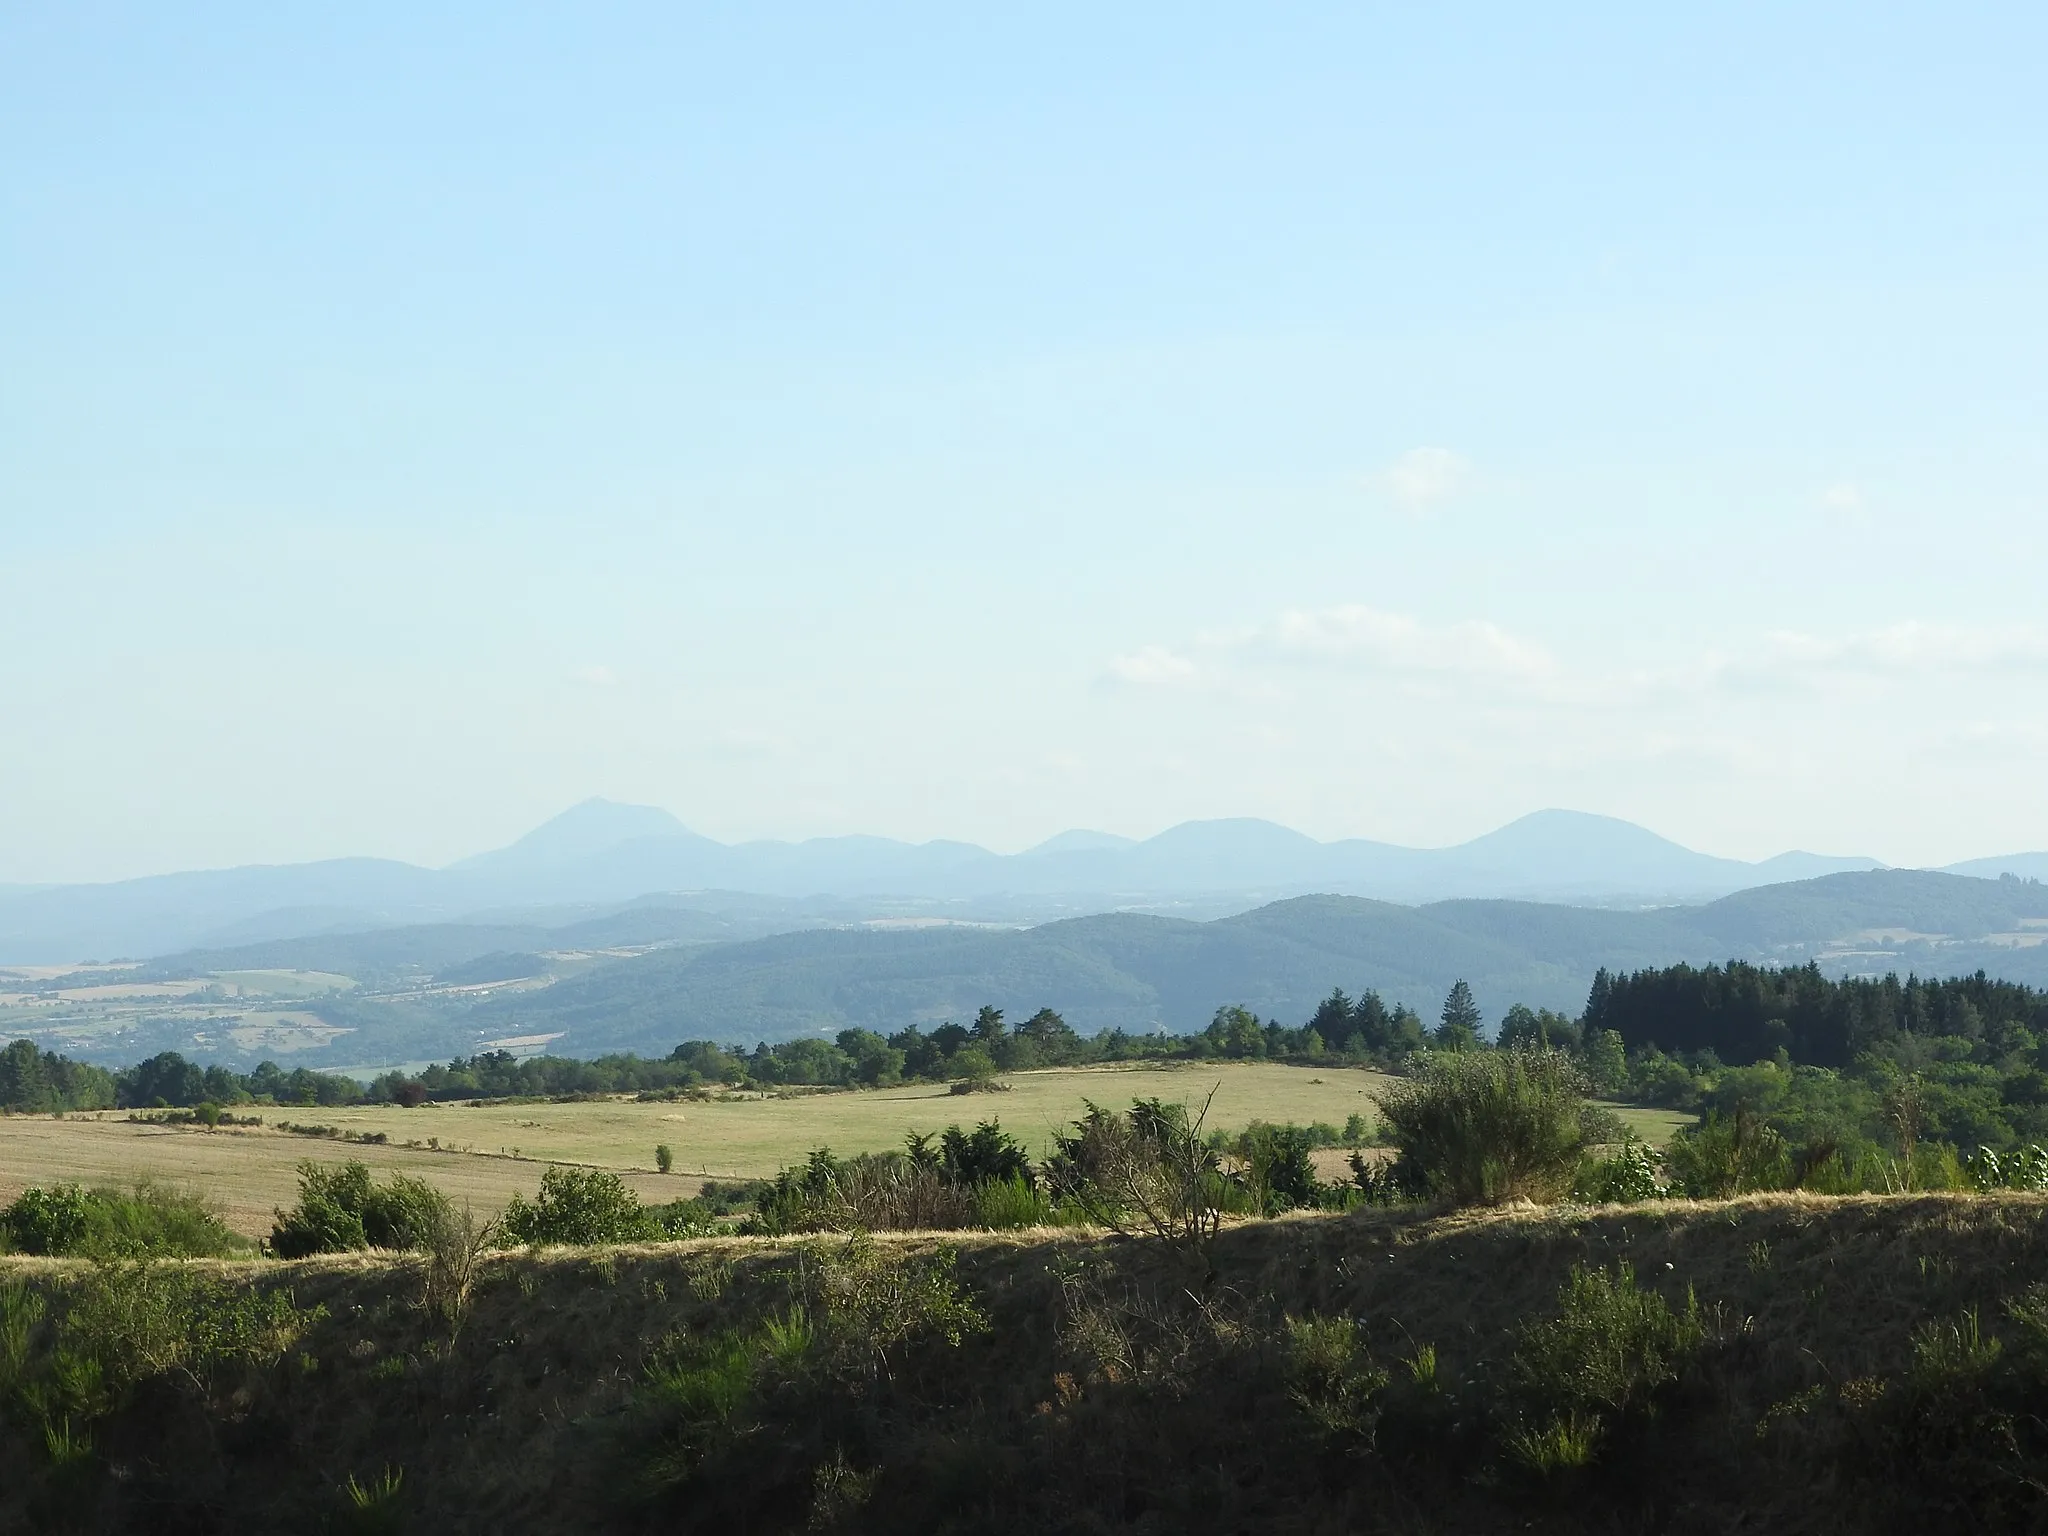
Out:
{"x": 1745, "y": 1013}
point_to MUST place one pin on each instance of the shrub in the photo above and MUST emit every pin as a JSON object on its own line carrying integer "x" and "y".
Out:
{"x": 1630, "y": 1173}
{"x": 984, "y": 1155}
{"x": 890, "y": 1192}
{"x": 664, "y": 1158}
{"x": 1612, "y": 1348}
{"x": 455, "y": 1248}
{"x": 721, "y": 1198}
{"x": 1482, "y": 1127}
{"x": 857, "y": 1313}
{"x": 1722, "y": 1157}
{"x": 1330, "y": 1377}
{"x": 1000, "y": 1204}
{"x": 1278, "y": 1172}
{"x": 870, "y": 1303}
{"x": 579, "y": 1206}
{"x": 1146, "y": 1170}
{"x": 369, "y": 1509}
{"x": 340, "y": 1209}
{"x": 974, "y": 1070}
{"x": 2023, "y": 1168}
{"x": 125, "y": 1323}
{"x": 105, "y": 1223}
{"x": 1385, "y": 1182}
{"x": 688, "y": 1218}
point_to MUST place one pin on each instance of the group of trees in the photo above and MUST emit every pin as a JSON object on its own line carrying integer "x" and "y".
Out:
{"x": 35, "y": 1081}
{"x": 1745, "y": 1013}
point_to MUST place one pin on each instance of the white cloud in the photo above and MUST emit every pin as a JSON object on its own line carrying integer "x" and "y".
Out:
{"x": 1841, "y": 497}
{"x": 1422, "y": 477}
{"x": 596, "y": 677}
{"x": 1915, "y": 647}
{"x": 1350, "y": 639}
{"x": 1153, "y": 666}
{"x": 1371, "y": 639}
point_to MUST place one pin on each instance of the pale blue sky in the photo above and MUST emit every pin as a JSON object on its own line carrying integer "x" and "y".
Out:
{"x": 1387, "y": 420}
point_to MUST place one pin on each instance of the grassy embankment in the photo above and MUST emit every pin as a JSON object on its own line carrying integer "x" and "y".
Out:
{"x": 248, "y": 1173}
{"x": 1840, "y": 1386}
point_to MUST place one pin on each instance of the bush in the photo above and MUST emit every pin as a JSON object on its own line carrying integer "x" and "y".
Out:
{"x": 580, "y": 1206}
{"x": 1630, "y": 1173}
{"x": 858, "y": 1311}
{"x": 689, "y": 1218}
{"x": 1278, "y": 1172}
{"x": 664, "y": 1158}
{"x": 341, "y": 1210}
{"x": 1000, "y": 1204}
{"x": 978, "y": 1178}
{"x": 987, "y": 1154}
{"x": 1723, "y": 1157}
{"x": 1608, "y": 1354}
{"x": 1146, "y": 1170}
{"x": 2023, "y": 1168}
{"x": 1330, "y": 1376}
{"x": 1482, "y": 1127}
{"x": 123, "y": 1324}
{"x": 108, "y": 1223}
{"x": 892, "y": 1192}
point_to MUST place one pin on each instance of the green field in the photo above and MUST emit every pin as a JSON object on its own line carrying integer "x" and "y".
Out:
{"x": 488, "y": 1153}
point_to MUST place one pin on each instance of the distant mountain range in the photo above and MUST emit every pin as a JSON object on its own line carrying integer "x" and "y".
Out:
{"x": 601, "y": 853}
{"x": 649, "y": 973}
{"x": 1140, "y": 971}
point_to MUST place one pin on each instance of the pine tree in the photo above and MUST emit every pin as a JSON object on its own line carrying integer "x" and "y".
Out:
{"x": 1459, "y": 1026}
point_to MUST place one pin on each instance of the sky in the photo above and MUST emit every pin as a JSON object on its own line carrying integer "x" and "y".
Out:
{"x": 1386, "y": 420}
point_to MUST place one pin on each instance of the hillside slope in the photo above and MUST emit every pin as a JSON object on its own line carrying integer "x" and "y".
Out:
{"x": 1110, "y": 1391}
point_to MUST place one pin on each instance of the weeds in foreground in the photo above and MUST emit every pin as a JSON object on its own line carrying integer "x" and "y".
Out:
{"x": 1607, "y": 1355}
{"x": 377, "y": 1507}
{"x": 857, "y": 1313}
{"x": 1332, "y": 1379}
{"x": 68, "y": 1368}
{"x": 456, "y": 1245}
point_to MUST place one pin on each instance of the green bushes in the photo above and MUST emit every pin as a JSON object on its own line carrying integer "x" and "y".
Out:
{"x": 1483, "y": 1127}
{"x": 2024, "y": 1168}
{"x": 959, "y": 1179}
{"x": 121, "y": 1325}
{"x": 1612, "y": 1345}
{"x": 580, "y": 1206}
{"x": 68, "y": 1221}
{"x": 1722, "y": 1157}
{"x": 856, "y": 1314}
{"x": 889, "y": 1192}
{"x": 1145, "y": 1170}
{"x": 340, "y": 1210}
{"x": 1631, "y": 1172}
{"x": 1332, "y": 1378}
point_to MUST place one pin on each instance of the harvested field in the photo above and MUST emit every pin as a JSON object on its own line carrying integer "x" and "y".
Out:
{"x": 491, "y": 1151}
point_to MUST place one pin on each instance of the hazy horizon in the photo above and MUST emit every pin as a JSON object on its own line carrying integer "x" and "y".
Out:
{"x": 939, "y": 425}
{"x": 1006, "y": 852}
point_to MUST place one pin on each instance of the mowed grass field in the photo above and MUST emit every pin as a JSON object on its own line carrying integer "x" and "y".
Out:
{"x": 491, "y": 1152}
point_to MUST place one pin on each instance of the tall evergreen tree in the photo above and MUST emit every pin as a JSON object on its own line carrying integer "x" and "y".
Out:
{"x": 1458, "y": 1026}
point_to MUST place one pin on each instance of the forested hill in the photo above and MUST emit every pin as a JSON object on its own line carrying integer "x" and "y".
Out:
{"x": 1141, "y": 972}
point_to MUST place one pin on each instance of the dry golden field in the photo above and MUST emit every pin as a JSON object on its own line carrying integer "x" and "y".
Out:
{"x": 488, "y": 1153}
